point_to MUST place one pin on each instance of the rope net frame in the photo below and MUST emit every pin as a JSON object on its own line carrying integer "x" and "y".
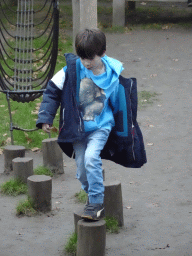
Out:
{"x": 28, "y": 47}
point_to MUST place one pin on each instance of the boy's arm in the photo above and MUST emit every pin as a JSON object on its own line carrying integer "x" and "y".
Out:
{"x": 49, "y": 105}
{"x": 51, "y": 101}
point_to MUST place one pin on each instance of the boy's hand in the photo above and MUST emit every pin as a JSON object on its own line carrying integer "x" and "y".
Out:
{"x": 46, "y": 128}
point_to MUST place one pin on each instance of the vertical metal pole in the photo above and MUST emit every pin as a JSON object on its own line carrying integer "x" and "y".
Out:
{"x": 119, "y": 13}
{"x": 10, "y": 115}
{"x": 88, "y": 14}
{"x": 76, "y": 19}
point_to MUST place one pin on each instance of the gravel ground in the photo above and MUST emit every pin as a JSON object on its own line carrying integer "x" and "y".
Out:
{"x": 157, "y": 199}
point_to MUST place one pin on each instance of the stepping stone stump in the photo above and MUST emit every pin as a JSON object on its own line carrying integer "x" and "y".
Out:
{"x": 77, "y": 216}
{"x": 78, "y": 213}
{"x": 10, "y": 152}
{"x": 113, "y": 201}
{"x": 52, "y": 155}
{"x": 40, "y": 190}
{"x": 91, "y": 238}
{"x": 22, "y": 167}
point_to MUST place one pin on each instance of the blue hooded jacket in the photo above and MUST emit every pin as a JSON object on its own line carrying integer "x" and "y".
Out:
{"x": 125, "y": 144}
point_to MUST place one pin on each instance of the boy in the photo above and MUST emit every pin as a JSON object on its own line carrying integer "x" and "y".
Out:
{"x": 87, "y": 90}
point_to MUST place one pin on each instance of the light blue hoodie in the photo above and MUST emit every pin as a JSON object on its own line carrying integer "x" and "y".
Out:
{"x": 95, "y": 92}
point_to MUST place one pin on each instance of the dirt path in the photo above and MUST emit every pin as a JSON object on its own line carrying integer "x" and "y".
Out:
{"x": 157, "y": 198}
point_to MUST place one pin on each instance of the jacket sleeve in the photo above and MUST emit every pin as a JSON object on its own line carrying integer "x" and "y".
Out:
{"x": 50, "y": 104}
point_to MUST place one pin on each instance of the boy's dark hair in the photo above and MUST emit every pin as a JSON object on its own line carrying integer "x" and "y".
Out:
{"x": 90, "y": 42}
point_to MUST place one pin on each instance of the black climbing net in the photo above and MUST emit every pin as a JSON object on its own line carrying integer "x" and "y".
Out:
{"x": 28, "y": 47}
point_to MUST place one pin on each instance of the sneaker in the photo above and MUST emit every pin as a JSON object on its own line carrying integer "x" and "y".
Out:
{"x": 93, "y": 212}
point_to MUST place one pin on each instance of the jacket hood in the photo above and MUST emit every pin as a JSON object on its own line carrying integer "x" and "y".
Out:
{"x": 114, "y": 64}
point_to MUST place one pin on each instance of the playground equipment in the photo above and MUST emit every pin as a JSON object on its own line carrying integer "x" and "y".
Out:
{"x": 28, "y": 50}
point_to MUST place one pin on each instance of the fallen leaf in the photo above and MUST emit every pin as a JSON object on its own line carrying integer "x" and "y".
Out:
{"x": 40, "y": 55}
{"x": 44, "y": 68}
{"x": 8, "y": 140}
{"x": 153, "y": 75}
{"x": 35, "y": 149}
{"x": 18, "y": 233}
{"x": 165, "y": 27}
{"x": 29, "y": 140}
{"x": 54, "y": 129}
{"x": 34, "y": 112}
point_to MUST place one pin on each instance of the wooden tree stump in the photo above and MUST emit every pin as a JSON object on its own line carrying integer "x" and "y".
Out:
{"x": 77, "y": 216}
{"x": 22, "y": 167}
{"x": 91, "y": 238}
{"x": 40, "y": 190}
{"x": 10, "y": 152}
{"x": 113, "y": 201}
{"x": 52, "y": 155}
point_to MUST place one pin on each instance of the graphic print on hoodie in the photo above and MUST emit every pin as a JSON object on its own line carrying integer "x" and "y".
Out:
{"x": 91, "y": 99}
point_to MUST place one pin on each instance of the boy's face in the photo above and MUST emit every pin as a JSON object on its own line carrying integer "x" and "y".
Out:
{"x": 92, "y": 64}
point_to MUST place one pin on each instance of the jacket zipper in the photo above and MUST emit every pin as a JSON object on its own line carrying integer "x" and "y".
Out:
{"x": 132, "y": 125}
{"x": 63, "y": 120}
{"x": 80, "y": 128}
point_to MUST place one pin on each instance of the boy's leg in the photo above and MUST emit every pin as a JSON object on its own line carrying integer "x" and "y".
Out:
{"x": 93, "y": 164}
{"x": 80, "y": 147}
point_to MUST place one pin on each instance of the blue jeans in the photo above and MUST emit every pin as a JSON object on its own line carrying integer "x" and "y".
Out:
{"x": 89, "y": 164}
